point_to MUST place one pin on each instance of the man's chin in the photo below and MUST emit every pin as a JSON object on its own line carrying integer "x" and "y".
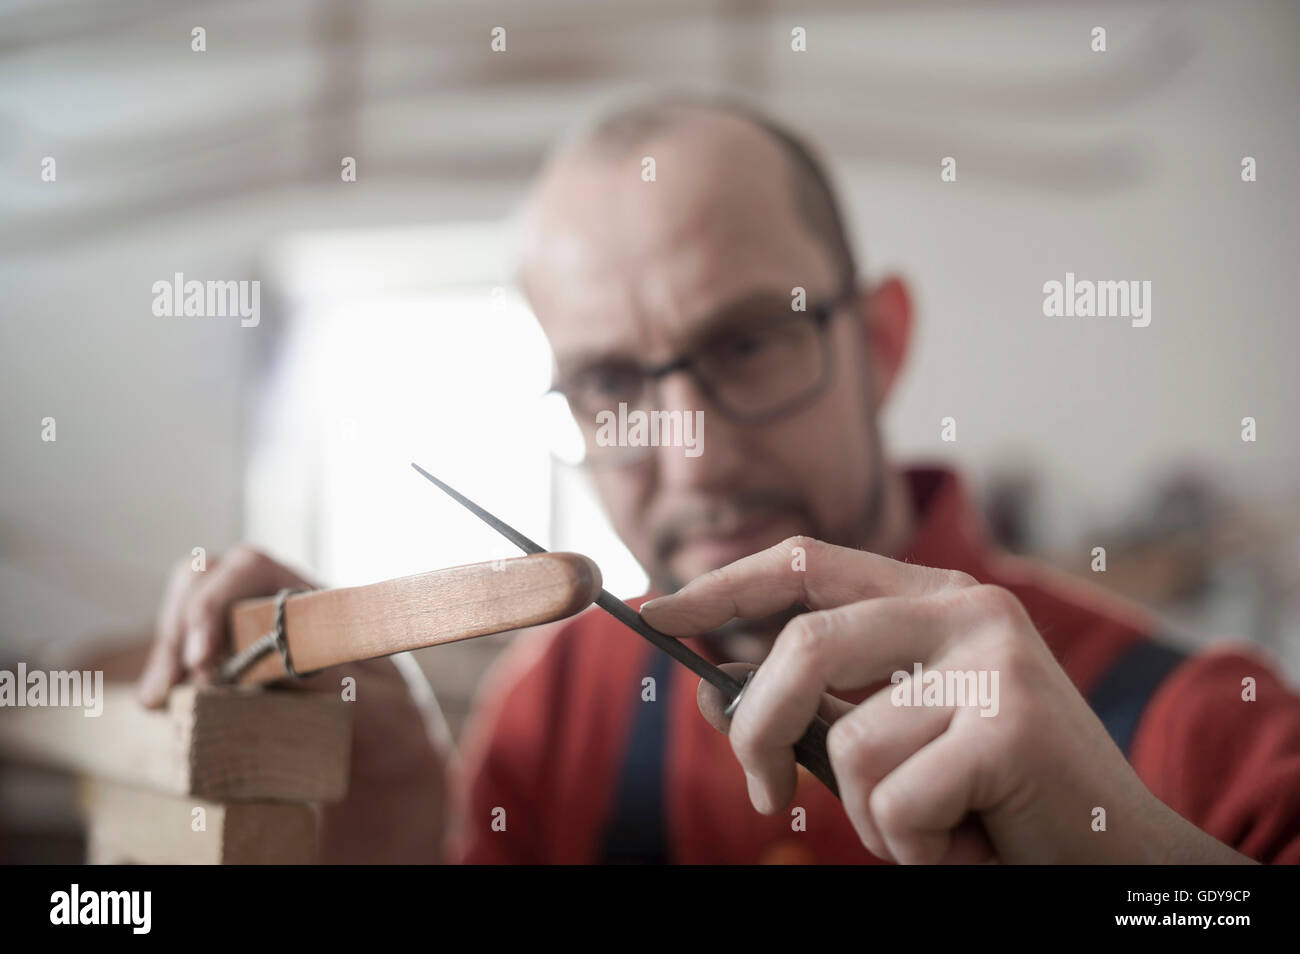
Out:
{"x": 749, "y": 640}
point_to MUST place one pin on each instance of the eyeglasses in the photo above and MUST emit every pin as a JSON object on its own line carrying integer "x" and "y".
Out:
{"x": 753, "y": 372}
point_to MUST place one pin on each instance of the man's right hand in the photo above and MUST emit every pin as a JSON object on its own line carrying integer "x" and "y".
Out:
{"x": 396, "y": 806}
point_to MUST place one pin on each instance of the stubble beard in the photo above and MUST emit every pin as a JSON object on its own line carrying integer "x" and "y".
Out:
{"x": 750, "y": 640}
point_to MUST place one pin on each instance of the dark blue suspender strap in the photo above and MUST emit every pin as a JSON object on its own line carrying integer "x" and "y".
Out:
{"x": 637, "y": 829}
{"x": 1122, "y": 693}
{"x": 636, "y": 832}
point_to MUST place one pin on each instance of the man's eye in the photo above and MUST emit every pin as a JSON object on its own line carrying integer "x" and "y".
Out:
{"x": 609, "y": 381}
{"x": 746, "y": 346}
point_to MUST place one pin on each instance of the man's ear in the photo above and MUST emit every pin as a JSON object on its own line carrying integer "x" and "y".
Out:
{"x": 886, "y": 313}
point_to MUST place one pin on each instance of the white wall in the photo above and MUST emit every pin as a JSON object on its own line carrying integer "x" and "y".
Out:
{"x": 1116, "y": 165}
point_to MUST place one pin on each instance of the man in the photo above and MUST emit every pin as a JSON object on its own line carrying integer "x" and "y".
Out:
{"x": 724, "y": 283}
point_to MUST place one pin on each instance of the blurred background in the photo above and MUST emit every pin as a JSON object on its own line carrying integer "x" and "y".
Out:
{"x": 390, "y": 332}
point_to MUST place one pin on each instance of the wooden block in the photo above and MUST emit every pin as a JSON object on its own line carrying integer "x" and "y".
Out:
{"x": 327, "y": 627}
{"x": 224, "y": 744}
{"x": 134, "y": 826}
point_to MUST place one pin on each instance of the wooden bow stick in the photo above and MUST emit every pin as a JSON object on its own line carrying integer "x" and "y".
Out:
{"x": 327, "y": 627}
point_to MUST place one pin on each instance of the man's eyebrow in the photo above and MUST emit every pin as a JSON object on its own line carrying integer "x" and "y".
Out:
{"x": 582, "y": 359}
{"x": 738, "y": 312}
{"x": 728, "y": 316}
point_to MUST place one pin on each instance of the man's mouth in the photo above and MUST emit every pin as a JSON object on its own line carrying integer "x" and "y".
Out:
{"x": 727, "y": 542}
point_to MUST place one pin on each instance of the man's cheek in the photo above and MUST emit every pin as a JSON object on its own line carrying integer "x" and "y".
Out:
{"x": 623, "y": 495}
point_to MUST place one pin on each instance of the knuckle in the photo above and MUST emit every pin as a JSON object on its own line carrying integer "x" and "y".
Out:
{"x": 995, "y": 600}
{"x": 719, "y": 577}
{"x": 849, "y": 746}
{"x": 887, "y": 809}
{"x": 810, "y": 546}
{"x": 958, "y": 580}
{"x": 1009, "y": 649}
{"x": 1019, "y": 667}
{"x": 246, "y": 556}
{"x": 806, "y": 636}
{"x": 1014, "y": 736}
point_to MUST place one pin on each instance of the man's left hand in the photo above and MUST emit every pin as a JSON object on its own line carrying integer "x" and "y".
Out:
{"x": 931, "y": 783}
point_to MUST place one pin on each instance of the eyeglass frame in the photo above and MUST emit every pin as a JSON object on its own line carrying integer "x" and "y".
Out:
{"x": 820, "y": 315}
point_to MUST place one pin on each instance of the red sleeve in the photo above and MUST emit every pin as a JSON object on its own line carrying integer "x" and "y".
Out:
{"x": 1228, "y": 765}
{"x": 504, "y": 750}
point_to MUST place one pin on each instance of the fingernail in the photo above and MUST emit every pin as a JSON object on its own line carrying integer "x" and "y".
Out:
{"x": 194, "y": 646}
{"x": 758, "y": 794}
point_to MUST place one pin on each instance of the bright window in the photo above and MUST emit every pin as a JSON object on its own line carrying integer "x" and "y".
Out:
{"x": 399, "y": 347}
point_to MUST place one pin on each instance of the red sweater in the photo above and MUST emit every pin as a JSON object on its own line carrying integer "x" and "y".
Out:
{"x": 548, "y": 740}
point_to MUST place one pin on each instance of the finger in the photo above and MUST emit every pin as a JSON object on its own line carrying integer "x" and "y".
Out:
{"x": 840, "y": 649}
{"x": 243, "y": 573}
{"x": 921, "y": 807}
{"x": 823, "y": 576}
{"x": 163, "y": 668}
{"x": 713, "y": 703}
{"x": 870, "y": 742}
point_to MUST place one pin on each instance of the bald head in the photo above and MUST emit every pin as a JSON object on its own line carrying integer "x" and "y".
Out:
{"x": 629, "y": 128}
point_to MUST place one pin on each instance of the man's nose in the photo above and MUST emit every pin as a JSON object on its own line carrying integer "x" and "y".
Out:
{"x": 709, "y": 452}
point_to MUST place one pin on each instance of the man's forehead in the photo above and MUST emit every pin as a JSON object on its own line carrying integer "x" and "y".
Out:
{"x": 611, "y": 258}
{"x": 595, "y": 212}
